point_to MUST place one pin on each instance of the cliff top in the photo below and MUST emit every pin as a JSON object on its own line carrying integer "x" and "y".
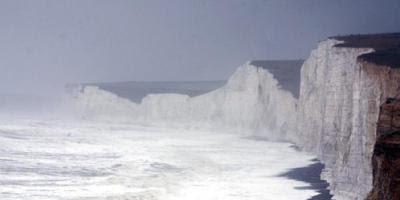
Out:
{"x": 137, "y": 90}
{"x": 287, "y": 72}
{"x": 386, "y": 46}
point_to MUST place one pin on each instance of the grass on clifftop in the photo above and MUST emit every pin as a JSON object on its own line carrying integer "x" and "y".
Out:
{"x": 386, "y": 45}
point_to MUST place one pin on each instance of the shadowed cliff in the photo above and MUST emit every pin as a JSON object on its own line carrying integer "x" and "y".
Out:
{"x": 386, "y": 158}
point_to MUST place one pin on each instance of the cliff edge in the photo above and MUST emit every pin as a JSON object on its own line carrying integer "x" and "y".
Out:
{"x": 386, "y": 47}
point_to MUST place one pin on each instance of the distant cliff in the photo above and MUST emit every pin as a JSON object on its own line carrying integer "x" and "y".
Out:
{"x": 252, "y": 102}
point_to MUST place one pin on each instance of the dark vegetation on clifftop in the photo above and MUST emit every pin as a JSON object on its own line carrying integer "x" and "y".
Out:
{"x": 386, "y": 45}
{"x": 286, "y": 72}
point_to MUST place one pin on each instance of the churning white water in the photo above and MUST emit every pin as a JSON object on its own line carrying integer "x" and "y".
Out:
{"x": 55, "y": 159}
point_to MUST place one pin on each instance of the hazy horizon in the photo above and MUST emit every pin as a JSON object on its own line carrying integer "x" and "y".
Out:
{"x": 46, "y": 44}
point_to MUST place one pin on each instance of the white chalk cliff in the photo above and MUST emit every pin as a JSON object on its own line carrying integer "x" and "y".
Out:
{"x": 339, "y": 102}
{"x": 335, "y": 116}
{"x": 250, "y": 103}
{"x": 332, "y": 118}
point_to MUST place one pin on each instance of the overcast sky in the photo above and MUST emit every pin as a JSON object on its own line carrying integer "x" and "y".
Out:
{"x": 45, "y": 44}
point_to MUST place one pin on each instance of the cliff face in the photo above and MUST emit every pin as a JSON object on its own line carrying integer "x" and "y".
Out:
{"x": 251, "y": 103}
{"x": 329, "y": 109}
{"x": 335, "y": 116}
{"x": 339, "y": 104}
{"x": 386, "y": 156}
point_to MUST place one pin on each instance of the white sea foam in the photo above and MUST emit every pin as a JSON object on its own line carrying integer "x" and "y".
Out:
{"x": 54, "y": 159}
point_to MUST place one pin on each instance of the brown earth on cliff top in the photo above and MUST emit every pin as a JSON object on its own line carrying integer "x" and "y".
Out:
{"x": 386, "y": 46}
{"x": 386, "y": 158}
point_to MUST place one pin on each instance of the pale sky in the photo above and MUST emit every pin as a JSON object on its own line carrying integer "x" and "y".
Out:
{"x": 45, "y": 44}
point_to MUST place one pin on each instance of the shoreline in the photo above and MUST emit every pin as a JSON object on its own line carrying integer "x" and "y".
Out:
{"x": 311, "y": 174}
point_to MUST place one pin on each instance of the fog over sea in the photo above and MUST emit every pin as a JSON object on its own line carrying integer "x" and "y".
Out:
{"x": 56, "y": 156}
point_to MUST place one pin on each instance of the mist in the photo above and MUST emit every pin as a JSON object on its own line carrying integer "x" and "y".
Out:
{"x": 46, "y": 44}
